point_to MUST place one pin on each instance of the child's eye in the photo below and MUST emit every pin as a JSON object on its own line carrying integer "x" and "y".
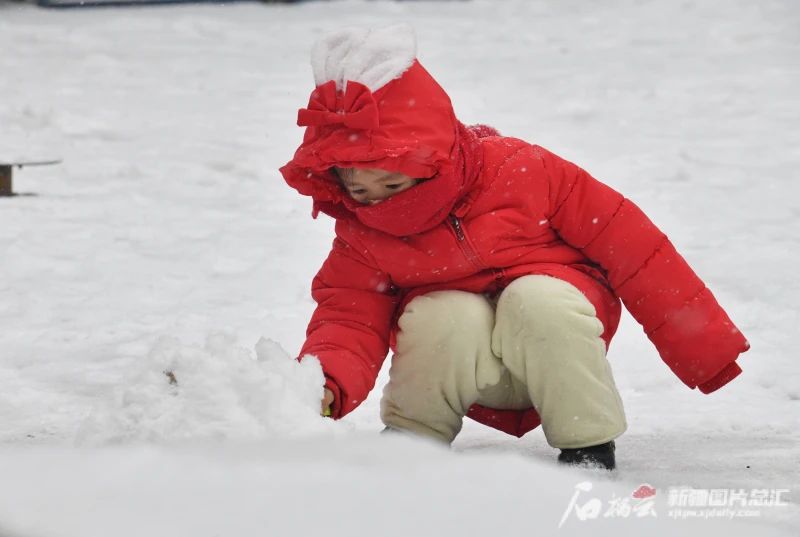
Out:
{"x": 393, "y": 187}
{"x": 358, "y": 192}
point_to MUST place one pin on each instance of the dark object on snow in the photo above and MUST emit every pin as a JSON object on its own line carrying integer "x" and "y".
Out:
{"x": 126, "y": 3}
{"x": 599, "y": 456}
{"x": 171, "y": 376}
{"x": 7, "y": 174}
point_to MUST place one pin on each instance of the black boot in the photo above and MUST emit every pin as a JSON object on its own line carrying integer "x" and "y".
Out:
{"x": 600, "y": 456}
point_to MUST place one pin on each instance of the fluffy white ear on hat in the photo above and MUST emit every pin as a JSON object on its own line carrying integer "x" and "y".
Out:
{"x": 372, "y": 57}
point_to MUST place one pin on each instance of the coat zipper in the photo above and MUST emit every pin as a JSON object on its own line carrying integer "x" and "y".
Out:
{"x": 464, "y": 244}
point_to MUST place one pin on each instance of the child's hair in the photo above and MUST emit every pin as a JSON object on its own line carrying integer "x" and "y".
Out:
{"x": 342, "y": 174}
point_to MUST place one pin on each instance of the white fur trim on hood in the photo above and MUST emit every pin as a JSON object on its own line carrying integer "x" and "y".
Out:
{"x": 371, "y": 57}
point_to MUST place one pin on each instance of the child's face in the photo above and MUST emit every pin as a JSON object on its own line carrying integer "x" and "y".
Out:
{"x": 371, "y": 185}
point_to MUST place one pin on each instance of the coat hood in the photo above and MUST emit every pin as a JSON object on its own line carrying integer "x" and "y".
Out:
{"x": 375, "y": 106}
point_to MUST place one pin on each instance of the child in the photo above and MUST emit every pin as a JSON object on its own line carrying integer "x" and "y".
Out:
{"x": 491, "y": 267}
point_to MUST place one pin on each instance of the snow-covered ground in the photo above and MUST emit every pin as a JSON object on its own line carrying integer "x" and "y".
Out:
{"x": 167, "y": 241}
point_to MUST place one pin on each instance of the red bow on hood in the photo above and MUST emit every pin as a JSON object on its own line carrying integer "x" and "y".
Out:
{"x": 355, "y": 108}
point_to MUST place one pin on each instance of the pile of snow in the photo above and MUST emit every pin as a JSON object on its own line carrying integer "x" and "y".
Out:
{"x": 220, "y": 390}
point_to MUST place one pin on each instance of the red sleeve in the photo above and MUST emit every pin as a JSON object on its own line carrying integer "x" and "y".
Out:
{"x": 349, "y": 330}
{"x": 691, "y": 332}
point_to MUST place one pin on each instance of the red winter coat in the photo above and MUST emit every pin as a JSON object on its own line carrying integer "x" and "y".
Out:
{"x": 493, "y": 209}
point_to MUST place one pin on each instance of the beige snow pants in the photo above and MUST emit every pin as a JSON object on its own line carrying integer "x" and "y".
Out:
{"x": 538, "y": 347}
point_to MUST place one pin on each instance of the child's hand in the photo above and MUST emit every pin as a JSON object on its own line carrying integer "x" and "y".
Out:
{"x": 327, "y": 401}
